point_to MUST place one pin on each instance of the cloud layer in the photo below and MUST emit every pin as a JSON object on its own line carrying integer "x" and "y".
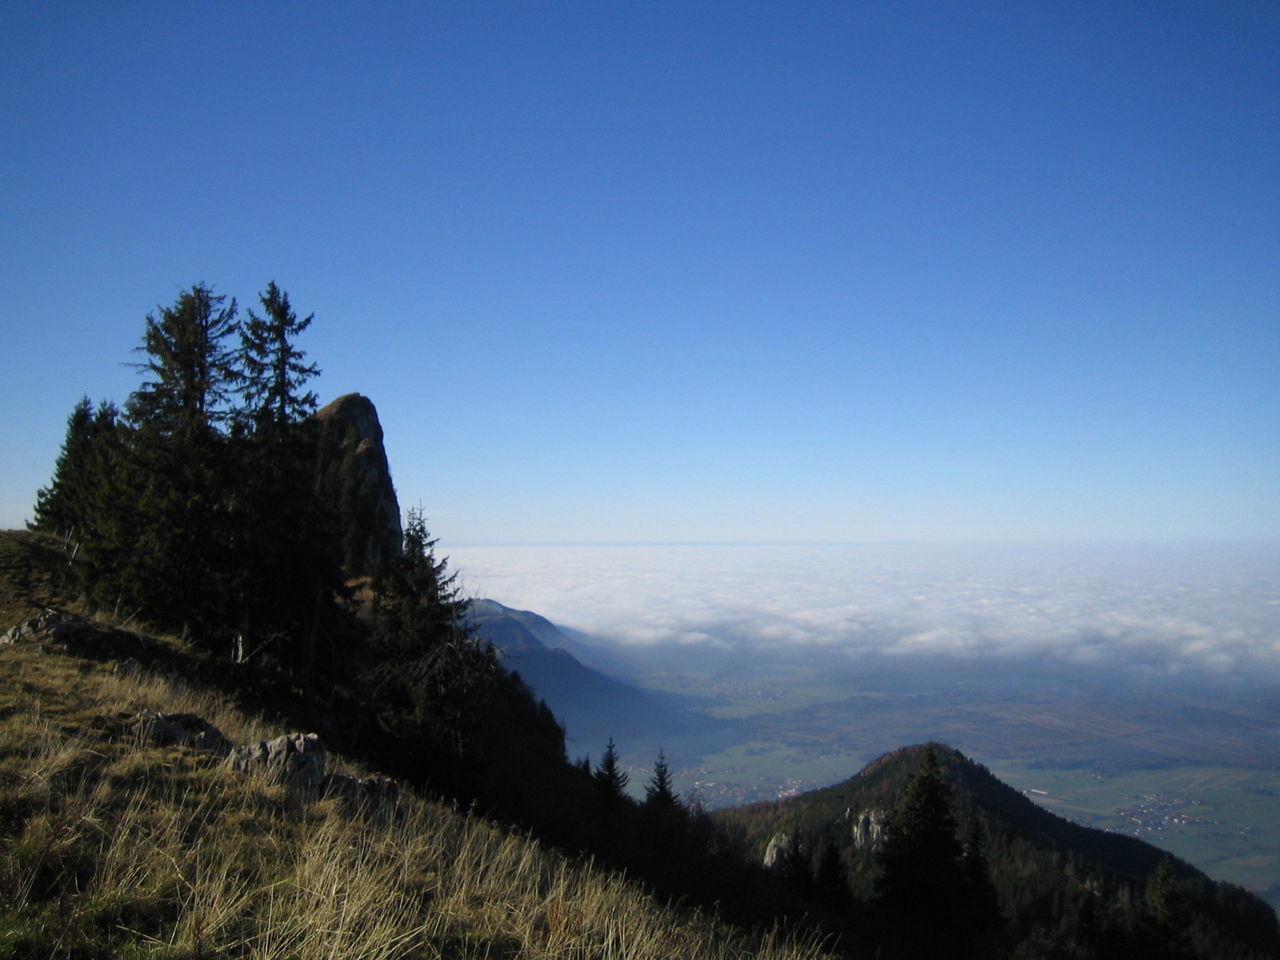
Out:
{"x": 1163, "y": 611}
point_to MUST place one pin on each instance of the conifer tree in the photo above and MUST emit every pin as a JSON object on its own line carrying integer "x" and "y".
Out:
{"x": 191, "y": 369}
{"x": 86, "y": 502}
{"x": 60, "y": 506}
{"x": 658, "y": 792}
{"x": 979, "y": 904}
{"x": 184, "y": 538}
{"x": 273, "y": 371}
{"x": 1161, "y": 923}
{"x": 431, "y": 675}
{"x": 830, "y": 880}
{"x": 921, "y": 878}
{"x": 609, "y": 777}
{"x": 289, "y": 576}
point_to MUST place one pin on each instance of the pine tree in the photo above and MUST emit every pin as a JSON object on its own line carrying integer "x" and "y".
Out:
{"x": 830, "y": 879}
{"x": 60, "y": 506}
{"x": 431, "y": 676}
{"x": 184, "y": 539}
{"x": 289, "y": 576}
{"x": 1161, "y": 923}
{"x": 191, "y": 368}
{"x": 921, "y": 877}
{"x": 273, "y": 370}
{"x": 659, "y": 794}
{"x": 611, "y": 779}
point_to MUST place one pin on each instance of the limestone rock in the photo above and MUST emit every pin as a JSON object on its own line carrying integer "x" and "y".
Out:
{"x": 181, "y": 729}
{"x": 867, "y": 827}
{"x": 53, "y": 623}
{"x": 354, "y": 480}
{"x": 375, "y": 795}
{"x": 296, "y": 760}
{"x": 775, "y": 854}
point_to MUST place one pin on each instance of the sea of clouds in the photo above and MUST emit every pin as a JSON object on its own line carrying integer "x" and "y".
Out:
{"x": 1162, "y": 611}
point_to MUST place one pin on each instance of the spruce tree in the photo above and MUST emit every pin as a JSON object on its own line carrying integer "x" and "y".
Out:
{"x": 921, "y": 877}
{"x": 610, "y": 779}
{"x": 87, "y": 501}
{"x": 830, "y": 879}
{"x": 289, "y": 576}
{"x": 272, "y": 367}
{"x": 60, "y": 506}
{"x": 658, "y": 792}
{"x": 430, "y": 675}
{"x": 190, "y": 367}
{"x": 184, "y": 537}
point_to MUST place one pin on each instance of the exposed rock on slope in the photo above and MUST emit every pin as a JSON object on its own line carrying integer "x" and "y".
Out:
{"x": 354, "y": 480}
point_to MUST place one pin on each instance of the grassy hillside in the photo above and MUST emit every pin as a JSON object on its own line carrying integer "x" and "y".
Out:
{"x": 112, "y": 847}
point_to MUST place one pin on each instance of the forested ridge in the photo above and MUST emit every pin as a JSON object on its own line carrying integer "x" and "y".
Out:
{"x": 216, "y": 509}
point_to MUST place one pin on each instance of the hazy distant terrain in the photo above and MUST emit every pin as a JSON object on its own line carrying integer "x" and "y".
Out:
{"x": 1128, "y": 691}
{"x": 1193, "y": 769}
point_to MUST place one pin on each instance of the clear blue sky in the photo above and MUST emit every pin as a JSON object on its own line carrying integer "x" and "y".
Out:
{"x": 686, "y": 271}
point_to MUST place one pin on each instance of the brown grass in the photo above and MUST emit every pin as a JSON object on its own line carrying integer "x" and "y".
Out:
{"x": 110, "y": 847}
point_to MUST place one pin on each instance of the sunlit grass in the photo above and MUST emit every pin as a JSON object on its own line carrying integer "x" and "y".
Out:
{"x": 110, "y": 847}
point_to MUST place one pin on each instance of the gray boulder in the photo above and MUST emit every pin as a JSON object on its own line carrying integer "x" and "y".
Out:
{"x": 369, "y": 795}
{"x": 775, "y": 854}
{"x": 53, "y": 623}
{"x": 181, "y": 729}
{"x": 296, "y": 760}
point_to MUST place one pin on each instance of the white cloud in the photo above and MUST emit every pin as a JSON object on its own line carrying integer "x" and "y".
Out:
{"x": 1212, "y": 610}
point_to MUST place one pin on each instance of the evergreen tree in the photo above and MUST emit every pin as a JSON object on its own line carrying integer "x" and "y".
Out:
{"x": 797, "y": 867}
{"x": 921, "y": 876}
{"x": 830, "y": 879}
{"x": 289, "y": 576}
{"x": 60, "y": 507}
{"x": 979, "y": 905}
{"x": 611, "y": 779}
{"x": 273, "y": 371}
{"x": 190, "y": 365}
{"x": 659, "y": 794}
{"x": 86, "y": 502}
{"x": 183, "y": 546}
{"x": 1161, "y": 922}
{"x": 431, "y": 676}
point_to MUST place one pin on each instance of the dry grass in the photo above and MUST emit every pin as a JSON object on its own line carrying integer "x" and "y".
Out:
{"x": 109, "y": 847}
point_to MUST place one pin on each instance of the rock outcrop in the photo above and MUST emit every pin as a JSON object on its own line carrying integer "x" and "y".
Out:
{"x": 776, "y": 853}
{"x": 866, "y": 827}
{"x": 181, "y": 729}
{"x": 52, "y": 624}
{"x": 295, "y": 760}
{"x": 354, "y": 481}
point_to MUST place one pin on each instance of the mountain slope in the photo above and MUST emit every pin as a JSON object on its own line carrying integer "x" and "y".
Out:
{"x": 589, "y": 703}
{"x": 115, "y": 845}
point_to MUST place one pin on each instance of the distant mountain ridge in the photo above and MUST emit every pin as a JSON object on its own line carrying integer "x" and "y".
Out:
{"x": 588, "y": 702}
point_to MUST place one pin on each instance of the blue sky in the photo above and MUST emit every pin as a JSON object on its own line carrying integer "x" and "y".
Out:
{"x": 686, "y": 272}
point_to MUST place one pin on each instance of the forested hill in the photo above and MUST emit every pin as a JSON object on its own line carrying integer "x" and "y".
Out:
{"x": 992, "y": 858}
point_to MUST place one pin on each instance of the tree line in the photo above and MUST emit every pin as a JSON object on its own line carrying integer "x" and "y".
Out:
{"x": 205, "y": 507}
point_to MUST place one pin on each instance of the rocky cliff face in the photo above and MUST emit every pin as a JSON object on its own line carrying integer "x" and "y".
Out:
{"x": 354, "y": 480}
{"x": 866, "y": 827}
